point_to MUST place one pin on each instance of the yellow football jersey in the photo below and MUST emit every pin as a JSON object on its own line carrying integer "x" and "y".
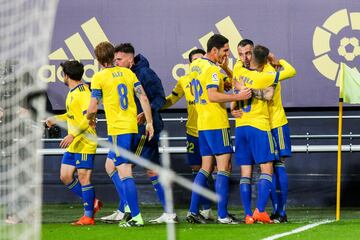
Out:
{"x": 77, "y": 103}
{"x": 117, "y": 88}
{"x": 255, "y": 111}
{"x": 276, "y": 109}
{"x": 183, "y": 88}
{"x": 206, "y": 74}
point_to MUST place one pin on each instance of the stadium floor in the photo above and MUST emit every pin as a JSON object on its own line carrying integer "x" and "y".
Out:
{"x": 56, "y": 219}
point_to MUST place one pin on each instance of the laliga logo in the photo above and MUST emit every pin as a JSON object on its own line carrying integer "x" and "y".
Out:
{"x": 347, "y": 48}
{"x": 79, "y": 50}
{"x": 225, "y": 27}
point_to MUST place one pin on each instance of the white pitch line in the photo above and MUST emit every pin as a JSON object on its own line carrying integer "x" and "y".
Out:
{"x": 297, "y": 230}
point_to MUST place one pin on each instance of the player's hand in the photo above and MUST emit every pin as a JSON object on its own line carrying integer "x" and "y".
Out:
{"x": 92, "y": 123}
{"x": 224, "y": 64}
{"x": 227, "y": 86}
{"x": 50, "y": 122}
{"x": 67, "y": 141}
{"x": 236, "y": 113}
{"x": 244, "y": 94}
{"x": 274, "y": 61}
{"x": 149, "y": 131}
{"x": 141, "y": 118}
{"x": 238, "y": 85}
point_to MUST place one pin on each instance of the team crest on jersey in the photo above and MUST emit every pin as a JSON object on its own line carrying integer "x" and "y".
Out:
{"x": 215, "y": 78}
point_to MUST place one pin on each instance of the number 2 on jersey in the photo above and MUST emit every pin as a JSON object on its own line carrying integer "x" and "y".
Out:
{"x": 122, "y": 90}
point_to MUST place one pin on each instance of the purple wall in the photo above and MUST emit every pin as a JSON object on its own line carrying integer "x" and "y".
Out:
{"x": 164, "y": 30}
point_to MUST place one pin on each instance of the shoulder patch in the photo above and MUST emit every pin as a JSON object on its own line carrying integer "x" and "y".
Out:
{"x": 215, "y": 77}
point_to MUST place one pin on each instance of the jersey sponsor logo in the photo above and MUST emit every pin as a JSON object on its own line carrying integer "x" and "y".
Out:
{"x": 225, "y": 27}
{"x": 339, "y": 30}
{"x": 76, "y": 48}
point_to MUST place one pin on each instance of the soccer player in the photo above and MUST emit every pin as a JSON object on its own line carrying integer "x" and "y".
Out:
{"x": 116, "y": 87}
{"x": 254, "y": 143}
{"x": 80, "y": 143}
{"x": 183, "y": 89}
{"x": 279, "y": 127}
{"x": 213, "y": 124}
{"x": 125, "y": 57}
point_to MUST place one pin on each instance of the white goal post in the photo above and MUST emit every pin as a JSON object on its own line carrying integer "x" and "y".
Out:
{"x": 25, "y": 33}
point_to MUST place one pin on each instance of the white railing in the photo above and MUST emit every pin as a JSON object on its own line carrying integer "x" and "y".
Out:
{"x": 178, "y": 150}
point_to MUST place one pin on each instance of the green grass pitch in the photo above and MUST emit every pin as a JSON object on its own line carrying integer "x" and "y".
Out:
{"x": 56, "y": 219}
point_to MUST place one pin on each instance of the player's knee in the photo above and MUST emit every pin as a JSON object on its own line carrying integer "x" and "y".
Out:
{"x": 109, "y": 166}
{"x": 66, "y": 178}
{"x": 84, "y": 177}
{"x": 267, "y": 168}
{"x": 124, "y": 170}
{"x": 246, "y": 171}
{"x": 84, "y": 180}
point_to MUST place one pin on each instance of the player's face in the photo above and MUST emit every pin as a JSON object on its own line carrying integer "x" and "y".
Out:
{"x": 223, "y": 53}
{"x": 245, "y": 54}
{"x": 124, "y": 59}
{"x": 196, "y": 56}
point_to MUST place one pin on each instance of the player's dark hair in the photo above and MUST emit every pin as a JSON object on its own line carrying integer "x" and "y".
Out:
{"x": 74, "y": 69}
{"x": 245, "y": 42}
{"x": 104, "y": 53}
{"x": 196, "y": 51}
{"x": 125, "y": 48}
{"x": 217, "y": 40}
{"x": 261, "y": 54}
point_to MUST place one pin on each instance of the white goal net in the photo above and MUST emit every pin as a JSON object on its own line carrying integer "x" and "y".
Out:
{"x": 25, "y": 35}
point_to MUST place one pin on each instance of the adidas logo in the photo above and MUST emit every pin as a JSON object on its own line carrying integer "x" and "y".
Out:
{"x": 77, "y": 48}
{"x": 225, "y": 27}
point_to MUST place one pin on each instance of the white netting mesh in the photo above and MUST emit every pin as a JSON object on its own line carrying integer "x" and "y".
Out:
{"x": 25, "y": 33}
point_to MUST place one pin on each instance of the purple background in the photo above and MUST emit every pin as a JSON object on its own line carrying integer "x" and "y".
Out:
{"x": 163, "y": 30}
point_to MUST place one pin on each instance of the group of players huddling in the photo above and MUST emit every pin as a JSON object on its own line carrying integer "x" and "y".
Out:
{"x": 132, "y": 96}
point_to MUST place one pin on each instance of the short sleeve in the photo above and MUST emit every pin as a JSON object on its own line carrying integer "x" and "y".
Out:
{"x": 213, "y": 78}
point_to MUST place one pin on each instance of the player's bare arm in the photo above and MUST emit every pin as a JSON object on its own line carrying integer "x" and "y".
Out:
{"x": 264, "y": 94}
{"x": 91, "y": 112}
{"x": 219, "y": 97}
{"x": 145, "y": 104}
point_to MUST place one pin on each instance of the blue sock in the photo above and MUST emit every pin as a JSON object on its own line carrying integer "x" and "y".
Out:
{"x": 205, "y": 202}
{"x": 88, "y": 199}
{"x": 159, "y": 190}
{"x": 119, "y": 189}
{"x": 131, "y": 195}
{"x": 282, "y": 179}
{"x": 193, "y": 174}
{"x": 200, "y": 180}
{"x": 264, "y": 188}
{"x": 274, "y": 194}
{"x": 245, "y": 193}
{"x": 75, "y": 187}
{"x": 222, "y": 189}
